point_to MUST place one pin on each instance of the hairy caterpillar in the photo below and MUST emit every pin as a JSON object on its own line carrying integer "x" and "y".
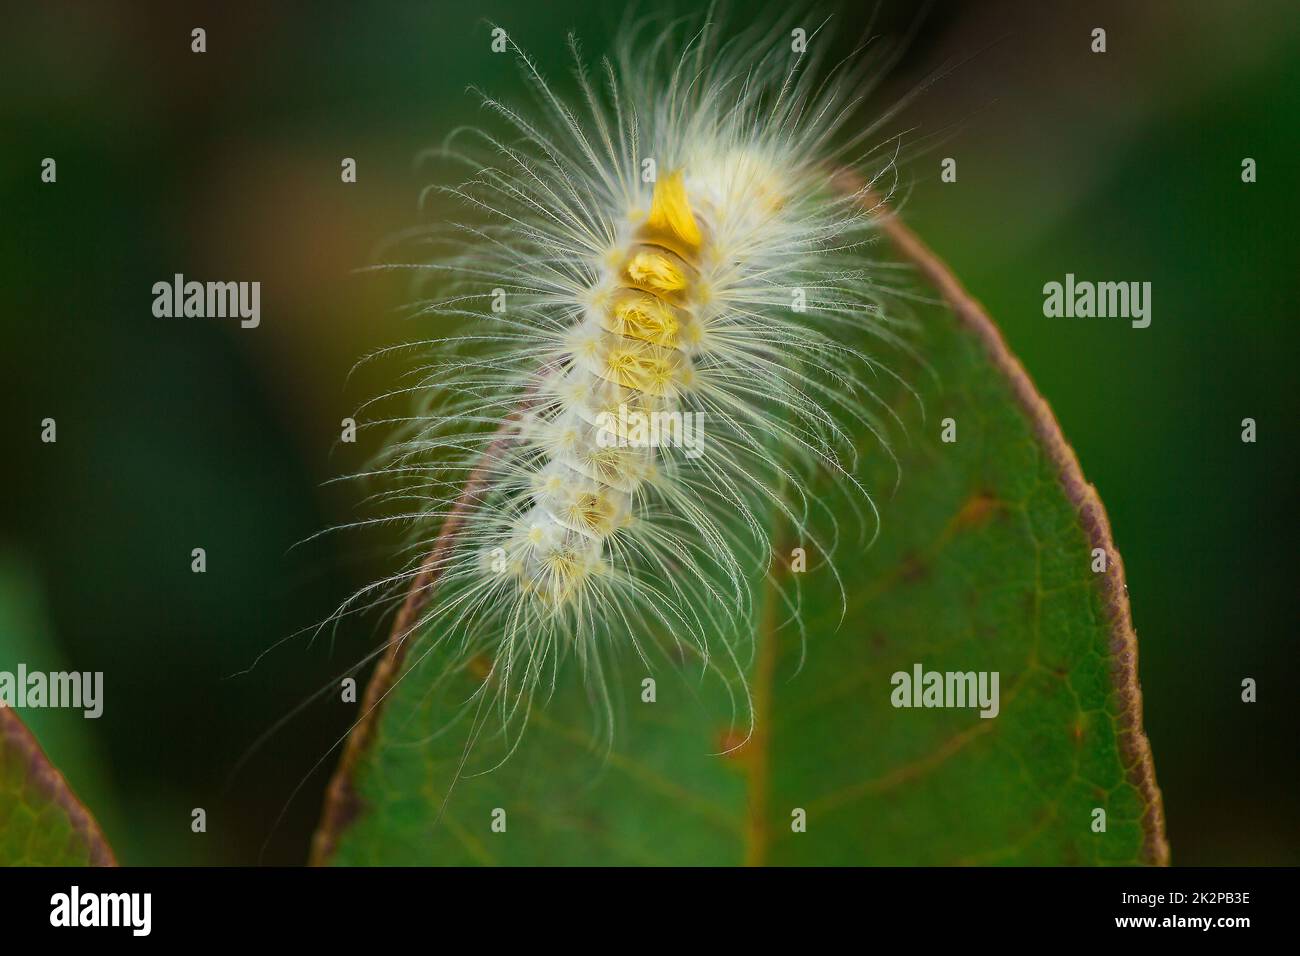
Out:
{"x": 670, "y": 252}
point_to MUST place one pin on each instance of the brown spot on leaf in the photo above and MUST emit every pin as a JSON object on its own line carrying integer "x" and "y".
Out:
{"x": 732, "y": 744}
{"x": 1077, "y": 729}
{"x": 913, "y": 569}
{"x": 977, "y": 510}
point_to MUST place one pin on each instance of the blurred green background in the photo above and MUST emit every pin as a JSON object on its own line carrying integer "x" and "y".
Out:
{"x": 176, "y": 434}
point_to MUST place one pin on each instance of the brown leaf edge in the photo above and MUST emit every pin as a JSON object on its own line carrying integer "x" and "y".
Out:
{"x": 15, "y": 738}
{"x": 1135, "y": 749}
{"x": 343, "y": 803}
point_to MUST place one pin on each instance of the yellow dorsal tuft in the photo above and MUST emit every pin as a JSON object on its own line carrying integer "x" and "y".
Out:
{"x": 655, "y": 271}
{"x": 670, "y": 211}
{"x": 646, "y": 318}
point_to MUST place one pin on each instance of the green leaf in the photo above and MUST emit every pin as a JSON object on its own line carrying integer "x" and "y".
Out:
{"x": 41, "y": 820}
{"x": 984, "y": 563}
{"x": 42, "y": 823}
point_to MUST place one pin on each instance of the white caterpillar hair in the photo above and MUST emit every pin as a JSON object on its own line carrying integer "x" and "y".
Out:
{"x": 655, "y": 298}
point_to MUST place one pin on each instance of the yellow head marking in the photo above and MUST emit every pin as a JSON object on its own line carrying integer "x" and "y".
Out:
{"x": 670, "y": 211}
